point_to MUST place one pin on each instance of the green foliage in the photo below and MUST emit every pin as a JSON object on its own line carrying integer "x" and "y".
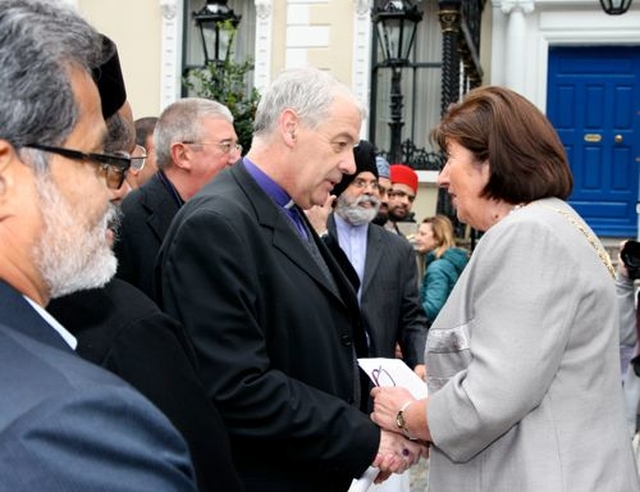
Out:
{"x": 226, "y": 82}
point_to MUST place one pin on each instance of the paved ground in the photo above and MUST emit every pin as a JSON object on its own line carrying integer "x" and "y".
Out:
{"x": 419, "y": 476}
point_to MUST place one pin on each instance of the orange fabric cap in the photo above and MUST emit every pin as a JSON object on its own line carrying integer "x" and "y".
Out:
{"x": 402, "y": 174}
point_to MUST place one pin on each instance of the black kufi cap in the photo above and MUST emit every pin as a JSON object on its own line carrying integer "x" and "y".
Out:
{"x": 108, "y": 78}
{"x": 365, "y": 157}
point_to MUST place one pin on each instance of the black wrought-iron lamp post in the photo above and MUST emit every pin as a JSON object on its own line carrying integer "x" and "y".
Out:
{"x": 615, "y": 7}
{"x": 216, "y": 39}
{"x": 396, "y": 22}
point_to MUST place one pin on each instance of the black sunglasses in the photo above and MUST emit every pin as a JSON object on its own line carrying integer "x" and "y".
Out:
{"x": 112, "y": 166}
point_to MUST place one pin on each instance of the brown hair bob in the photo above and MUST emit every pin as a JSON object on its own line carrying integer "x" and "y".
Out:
{"x": 526, "y": 157}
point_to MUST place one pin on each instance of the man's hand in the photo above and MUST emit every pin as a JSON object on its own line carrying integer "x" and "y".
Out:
{"x": 318, "y": 215}
{"x": 396, "y": 454}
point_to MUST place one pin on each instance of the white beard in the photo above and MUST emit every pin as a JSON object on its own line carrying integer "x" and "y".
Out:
{"x": 71, "y": 254}
{"x": 353, "y": 213}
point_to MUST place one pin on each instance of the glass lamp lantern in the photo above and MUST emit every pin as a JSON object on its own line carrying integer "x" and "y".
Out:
{"x": 615, "y": 7}
{"x": 216, "y": 37}
{"x": 396, "y": 23}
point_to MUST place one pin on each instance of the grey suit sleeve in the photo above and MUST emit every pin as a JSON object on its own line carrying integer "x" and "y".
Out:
{"x": 109, "y": 440}
{"x": 518, "y": 331}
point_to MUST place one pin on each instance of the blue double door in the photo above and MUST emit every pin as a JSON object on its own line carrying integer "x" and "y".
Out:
{"x": 593, "y": 102}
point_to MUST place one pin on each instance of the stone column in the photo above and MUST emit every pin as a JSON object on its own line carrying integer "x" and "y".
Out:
{"x": 516, "y": 51}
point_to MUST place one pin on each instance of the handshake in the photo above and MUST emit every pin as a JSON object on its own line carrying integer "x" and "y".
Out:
{"x": 399, "y": 449}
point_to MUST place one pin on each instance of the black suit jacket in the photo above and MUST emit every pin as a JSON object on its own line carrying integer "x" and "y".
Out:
{"x": 147, "y": 214}
{"x": 389, "y": 302}
{"x": 275, "y": 339}
{"x": 122, "y": 330}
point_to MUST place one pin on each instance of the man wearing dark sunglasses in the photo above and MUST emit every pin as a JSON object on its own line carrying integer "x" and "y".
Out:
{"x": 64, "y": 424}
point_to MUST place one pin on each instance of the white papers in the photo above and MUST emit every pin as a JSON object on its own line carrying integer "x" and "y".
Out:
{"x": 393, "y": 372}
{"x": 365, "y": 481}
{"x": 387, "y": 372}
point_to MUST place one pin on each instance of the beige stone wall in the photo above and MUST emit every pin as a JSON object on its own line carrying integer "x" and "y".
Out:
{"x": 135, "y": 26}
{"x": 318, "y": 34}
{"x": 337, "y": 56}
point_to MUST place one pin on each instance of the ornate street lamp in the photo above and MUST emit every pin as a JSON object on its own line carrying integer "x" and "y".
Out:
{"x": 615, "y": 7}
{"x": 396, "y": 23}
{"x": 216, "y": 37}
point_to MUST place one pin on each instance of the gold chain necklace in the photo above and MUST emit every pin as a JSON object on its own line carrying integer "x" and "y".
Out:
{"x": 600, "y": 251}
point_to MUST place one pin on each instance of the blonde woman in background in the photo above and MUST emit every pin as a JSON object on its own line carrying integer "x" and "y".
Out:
{"x": 443, "y": 263}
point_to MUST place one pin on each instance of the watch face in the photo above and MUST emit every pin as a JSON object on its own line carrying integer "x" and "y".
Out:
{"x": 400, "y": 420}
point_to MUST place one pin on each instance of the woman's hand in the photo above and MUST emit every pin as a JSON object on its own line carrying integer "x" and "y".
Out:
{"x": 387, "y": 402}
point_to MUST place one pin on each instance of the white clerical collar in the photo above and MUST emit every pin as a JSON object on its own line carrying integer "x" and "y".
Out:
{"x": 64, "y": 333}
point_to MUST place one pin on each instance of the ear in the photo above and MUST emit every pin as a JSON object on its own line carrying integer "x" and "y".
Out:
{"x": 289, "y": 124}
{"x": 181, "y": 156}
{"x": 13, "y": 176}
{"x": 485, "y": 171}
{"x": 7, "y": 156}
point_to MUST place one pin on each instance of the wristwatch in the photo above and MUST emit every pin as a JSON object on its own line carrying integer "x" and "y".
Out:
{"x": 401, "y": 422}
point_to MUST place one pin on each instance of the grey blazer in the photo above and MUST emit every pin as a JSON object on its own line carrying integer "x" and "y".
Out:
{"x": 523, "y": 365}
{"x": 69, "y": 426}
{"x": 390, "y": 305}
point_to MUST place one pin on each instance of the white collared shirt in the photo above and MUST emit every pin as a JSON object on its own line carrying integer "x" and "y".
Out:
{"x": 353, "y": 241}
{"x": 64, "y": 333}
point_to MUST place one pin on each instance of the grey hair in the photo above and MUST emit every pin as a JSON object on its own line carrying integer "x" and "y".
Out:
{"x": 121, "y": 134}
{"x": 308, "y": 91}
{"x": 182, "y": 122}
{"x": 40, "y": 41}
{"x": 144, "y": 127}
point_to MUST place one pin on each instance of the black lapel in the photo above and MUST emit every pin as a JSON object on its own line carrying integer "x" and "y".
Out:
{"x": 374, "y": 254}
{"x": 285, "y": 237}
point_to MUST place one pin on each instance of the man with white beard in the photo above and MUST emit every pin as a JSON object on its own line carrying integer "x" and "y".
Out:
{"x": 65, "y": 424}
{"x": 380, "y": 264}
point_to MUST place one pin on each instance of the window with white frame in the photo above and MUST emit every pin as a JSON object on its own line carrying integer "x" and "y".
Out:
{"x": 244, "y": 43}
{"x": 421, "y": 85}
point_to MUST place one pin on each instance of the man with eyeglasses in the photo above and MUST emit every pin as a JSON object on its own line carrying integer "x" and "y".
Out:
{"x": 65, "y": 424}
{"x": 384, "y": 185}
{"x": 144, "y": 138}
{"x": 122, "y": 141}
{"x": 194, "y": 140}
